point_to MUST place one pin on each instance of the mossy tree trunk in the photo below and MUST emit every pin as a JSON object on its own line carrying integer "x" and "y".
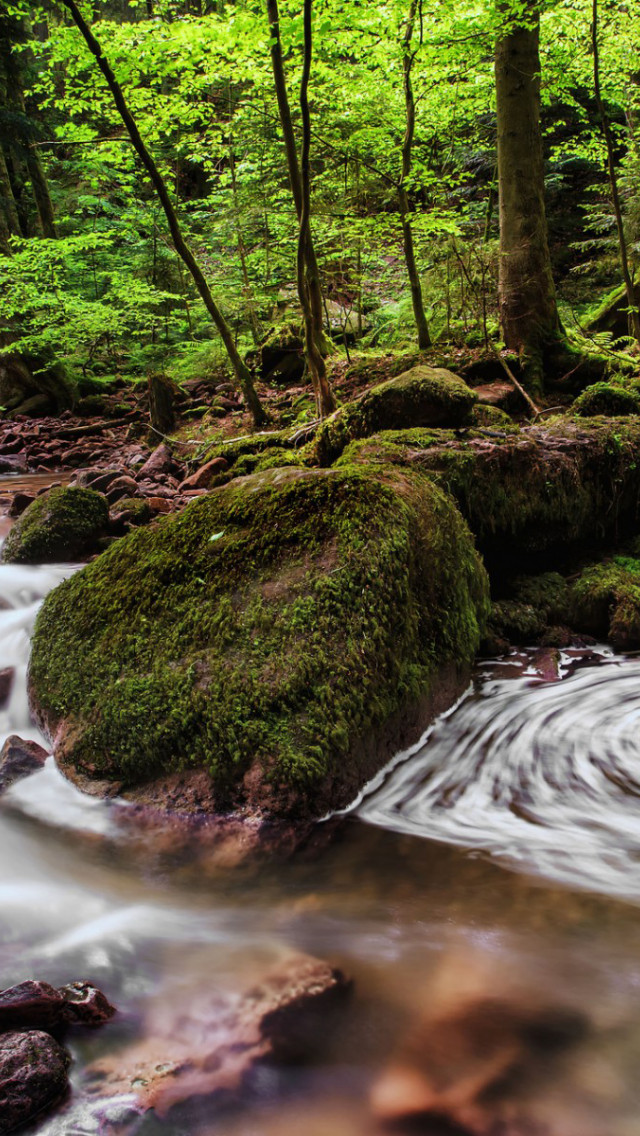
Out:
{"x": 240, "y": 369}
{"x": 528, "y": 308}
{"x": 424, "y": 339}
{"x": 9, "y": 220}
{"x": 325, "y": 401}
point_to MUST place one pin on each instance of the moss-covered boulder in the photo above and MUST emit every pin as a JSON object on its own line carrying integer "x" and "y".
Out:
{"x": 529, "y": 492}
{"x": 606, "y": 398}
{"x": 605, "y": 601}
{"x": 60, "y": 526}
{"x": 286, "y": 633}
{"x": 423, "y": 396}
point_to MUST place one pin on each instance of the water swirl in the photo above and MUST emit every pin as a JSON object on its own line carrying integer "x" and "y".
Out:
{"x": 545, "y": 774}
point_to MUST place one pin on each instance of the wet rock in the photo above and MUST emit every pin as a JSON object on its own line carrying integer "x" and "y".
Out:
{"x": 211, "y": 1045}
{"x": 86, "y": 1005}
{"x": 19, "y": 758}
{"x": 38, "y": 1005}
{"x": 21, "y": 501}
{"x": 6, "y": 682}
{"x": 203, "y": 477}
{"x": 33, "y": 1076}
{"x": 32, "y": 1005}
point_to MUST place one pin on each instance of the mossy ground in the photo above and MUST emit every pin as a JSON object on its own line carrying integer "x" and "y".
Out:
{"x": 61, "y": 525}
{"x": 607, "y": 398}
{"x": 270, "y": 627}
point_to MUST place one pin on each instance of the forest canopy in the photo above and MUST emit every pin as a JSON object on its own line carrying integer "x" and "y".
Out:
{"x": 402, "y": 165}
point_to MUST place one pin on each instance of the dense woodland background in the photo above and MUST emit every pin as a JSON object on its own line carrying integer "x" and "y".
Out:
{"x": 89, "y": 276}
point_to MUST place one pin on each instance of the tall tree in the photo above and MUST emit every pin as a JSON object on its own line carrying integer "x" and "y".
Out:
{"x": 312, "y": 289}
{"x": 527, "y": 296}
{"x": 325, "y": 401}
{"x": 240, "y": 368}
{"x": 424, "y": 339}
{"x": 634, "y": 314}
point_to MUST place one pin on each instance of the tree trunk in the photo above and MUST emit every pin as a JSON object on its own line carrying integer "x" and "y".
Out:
{"x": 325, "y": 401}
{"x": 295, "y": 178}
{"x": 528, "y": 309}
{"x": 424, "y": 339}
{"x": 634, "y": 314}
{"x": 162, "y": 410}
{"x": 9, "y": 220}
{"x": 41, "y": 196}
{"x": 241, "y": 371}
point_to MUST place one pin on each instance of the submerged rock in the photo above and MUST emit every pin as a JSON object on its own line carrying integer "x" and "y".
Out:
{"x": 285, "y": 634}
{"x": 33, "y": 1076}
{"x": 61, "y": 525}
{"x": 213, "y": 1045}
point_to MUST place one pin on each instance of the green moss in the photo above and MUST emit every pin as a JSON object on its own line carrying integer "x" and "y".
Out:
{"x": 492, "y": 418}
{"x": 270, "y": 626}
{"x": 137, "y": 509}
{"x": 529, "y": 490}
{"x": 606, "y": 398}
{"x": 548, "y": 594}
{"x": 423, "y": 396}
{"x": 516, "y": 622}
{"x": 605, "y": 601}
{"x": 61, "y": 525}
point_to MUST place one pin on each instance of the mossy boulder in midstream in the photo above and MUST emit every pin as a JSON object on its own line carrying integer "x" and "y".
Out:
{"x": 60, "y": 526}
{"x": 286, "y": 633}
{"x": 422, "y": 396}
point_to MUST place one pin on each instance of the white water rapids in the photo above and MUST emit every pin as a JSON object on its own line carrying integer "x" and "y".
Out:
{"x": 545, "y": 775}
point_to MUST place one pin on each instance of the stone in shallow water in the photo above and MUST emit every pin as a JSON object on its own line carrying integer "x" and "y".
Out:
{"x": 212, "y": 1045}
{"x": 19, "y": 758}
{"x": 38, "y": 1005}
{"x": 33, "y": 1075}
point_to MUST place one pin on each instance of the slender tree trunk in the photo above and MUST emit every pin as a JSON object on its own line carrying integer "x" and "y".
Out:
{"x": 528, "y": 309}
{"x": 295, "y": 179}
{"x": 424, "y": 339}
{"x": 9, "y": 220}
{"x": 182, "y": 248}
{"x": 634, "y": 314}
{"x": 41, "y": 195}
{"x": 325, "y": 401}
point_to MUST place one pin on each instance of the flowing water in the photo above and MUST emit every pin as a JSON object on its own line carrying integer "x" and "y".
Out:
{"x": 497, "y": 863}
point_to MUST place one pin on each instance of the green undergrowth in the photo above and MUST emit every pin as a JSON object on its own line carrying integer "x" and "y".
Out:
{"x": 270, "y": 627}
{"x": 61, "y": 525}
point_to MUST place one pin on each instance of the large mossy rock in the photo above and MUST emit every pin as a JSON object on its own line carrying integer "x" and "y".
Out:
{"x": 526, "y": 493}
{"x": 423, "y": 396}
{"x": 286, "y": 633}
{"x": 60, "y": 526}
{"x": 609, "y": 399}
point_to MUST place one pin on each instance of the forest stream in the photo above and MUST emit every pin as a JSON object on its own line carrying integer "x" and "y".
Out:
{"x": 496, "y": 864}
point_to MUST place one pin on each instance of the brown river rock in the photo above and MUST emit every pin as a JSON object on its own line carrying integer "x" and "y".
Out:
{"x": 211, "y": 1045}
{"x": 38, "y": 1005}
{"x": 33, "y": 1076}
{"x": 19, "y": 758}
